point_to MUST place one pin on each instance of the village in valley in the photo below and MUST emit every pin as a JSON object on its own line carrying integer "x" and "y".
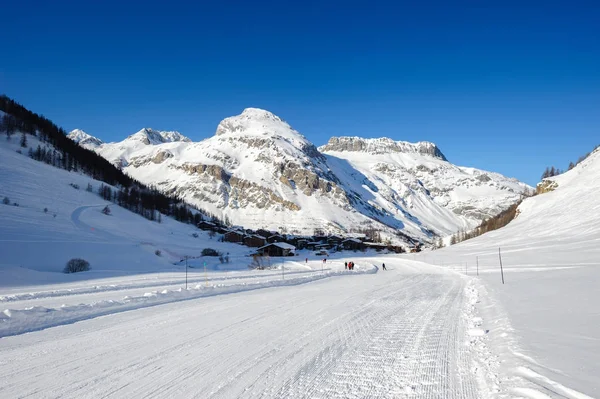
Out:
{"x": 275, "y": 244}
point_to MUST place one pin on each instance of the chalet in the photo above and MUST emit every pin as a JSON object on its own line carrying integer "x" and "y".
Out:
{"x": 255, "y": 241}
{"x": 359, "y": 236}
{"x": 222, "y": 230}
{"x": 275, "y": 238}
{"x": 301, "y": 243}
{"x": 312, "y": 245}
{"x": 353, "y": 244}
{"x": 264, "y": 233}
{"x": 376, "y": 246}
{"x": 233, "y": 236}
{"x": 320, "y": 238}
{"x": 322, "y": 247}
{"x": 334, "y": 240}
{"x": 277, "y": 249}
{"x": 204, "y": 225}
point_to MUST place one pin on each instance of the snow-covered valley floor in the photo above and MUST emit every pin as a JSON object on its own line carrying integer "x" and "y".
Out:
{"x": 404, "y": 332}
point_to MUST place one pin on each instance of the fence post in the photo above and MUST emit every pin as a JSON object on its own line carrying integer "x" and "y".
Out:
{"x": 205, "y": 275}
{"x": 501, "y": 269}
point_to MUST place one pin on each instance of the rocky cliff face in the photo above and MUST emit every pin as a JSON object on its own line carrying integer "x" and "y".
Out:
{"x": 381, "y": 146}
{"x": 261, "y": 173}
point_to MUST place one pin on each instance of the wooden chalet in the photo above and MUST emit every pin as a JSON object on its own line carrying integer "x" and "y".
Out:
{"x": 234, "y": 236}
{"x": 334, "y": 240}
{"x": 254, "y": 241}
{"x": 277, "y": 249}
{"x": 353, "y": 244}
{"x": 204, "y": 225}
{"x": 275, "y": 238}
{"x": 376, "y": 246}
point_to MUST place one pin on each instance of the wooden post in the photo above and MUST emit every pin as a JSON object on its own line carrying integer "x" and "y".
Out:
{"x": 501, "y": 269}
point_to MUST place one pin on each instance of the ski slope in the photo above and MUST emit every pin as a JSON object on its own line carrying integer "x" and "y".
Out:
{"x": 405, "y": 332}
{"x": 545, "y": 318}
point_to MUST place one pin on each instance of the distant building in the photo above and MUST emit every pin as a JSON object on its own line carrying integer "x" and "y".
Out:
{"x": 277, "y": 249}
{"x": 353, "y": 244}
{"x": 301, "y": 243}
{"x": 376, "y": 246}
{"x": 275, "y": 238}
{"x": 204, "y": 225}
{"x": 334, "y": 240}
{"x": 233, "y": 236}
{"x": 254, "y": 241}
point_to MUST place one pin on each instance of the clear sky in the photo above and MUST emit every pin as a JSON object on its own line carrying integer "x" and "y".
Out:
{"x": 501, "y": 86}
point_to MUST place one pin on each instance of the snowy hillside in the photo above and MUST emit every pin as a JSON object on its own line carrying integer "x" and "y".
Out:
{"x": 551, "y": 262}
{"x": 54, "y": 222}
{"x": 259, "y": 172}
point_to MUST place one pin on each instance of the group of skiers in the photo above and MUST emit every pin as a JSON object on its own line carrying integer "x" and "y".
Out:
{"x": 349, "y": 265}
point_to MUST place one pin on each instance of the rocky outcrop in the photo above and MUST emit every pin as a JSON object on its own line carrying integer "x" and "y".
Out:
{"x": 546, "y": 186}
{"x": 381, "y": 146}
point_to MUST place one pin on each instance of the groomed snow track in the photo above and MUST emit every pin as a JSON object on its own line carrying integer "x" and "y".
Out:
{"x": 386, "y": 335}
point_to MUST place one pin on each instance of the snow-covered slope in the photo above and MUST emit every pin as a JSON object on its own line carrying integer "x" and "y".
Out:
{"x": 260, "y": 172}
{"x": 551, "y": 262}
{"x": 417, "y": 178}
{"x": 55, "y": 221}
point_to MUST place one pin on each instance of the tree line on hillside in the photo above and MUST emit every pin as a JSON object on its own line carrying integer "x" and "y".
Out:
{"x": 64, "y": 153}
{"x": 552, "y": 171}
{"x": 490, "y": 224}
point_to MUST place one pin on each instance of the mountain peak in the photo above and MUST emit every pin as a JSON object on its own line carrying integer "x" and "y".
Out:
{"x": 256, "y": 121}
{"x": 383, "y": 145}
{"x": 257, "y": 113}
{"x": 84, "y": 139}
{"x": 150, "y": 136}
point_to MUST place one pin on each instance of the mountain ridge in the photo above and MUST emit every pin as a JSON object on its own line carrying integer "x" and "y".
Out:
{"x": 258, "y": 171}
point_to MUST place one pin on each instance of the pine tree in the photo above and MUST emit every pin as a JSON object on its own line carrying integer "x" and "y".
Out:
{"x": 23, "y": 140}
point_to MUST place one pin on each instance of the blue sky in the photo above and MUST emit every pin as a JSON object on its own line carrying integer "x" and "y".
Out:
{"x": 503, "y": 86}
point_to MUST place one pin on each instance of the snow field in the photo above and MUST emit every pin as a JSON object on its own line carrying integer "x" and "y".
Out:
{"x": 33, "y": 318}
{"x": 398, "y": 333}
{"x": 544, "y": 321}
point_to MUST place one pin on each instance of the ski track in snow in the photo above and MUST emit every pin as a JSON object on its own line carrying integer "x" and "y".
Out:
{"x": 383, "y": 335}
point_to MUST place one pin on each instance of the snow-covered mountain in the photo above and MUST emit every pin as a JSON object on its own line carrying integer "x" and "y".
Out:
{"x": 260, "y": 172}
{"x": 84, "y": 139}
{"x": 417, "y": 178}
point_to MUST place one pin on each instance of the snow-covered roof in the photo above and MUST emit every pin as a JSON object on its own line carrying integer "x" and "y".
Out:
{"x": 356, "y": 240}
{"x": 282, "y": 245}
{"x": 255, "y": 236}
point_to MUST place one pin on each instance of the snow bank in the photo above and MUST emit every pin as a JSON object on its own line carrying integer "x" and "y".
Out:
{"x": 13, "y": 322}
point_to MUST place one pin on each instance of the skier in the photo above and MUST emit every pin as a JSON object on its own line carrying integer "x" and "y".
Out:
{"x": 346, "y": 265}
{"x": 306, "y": 260}
{"x": 384, "y": 266}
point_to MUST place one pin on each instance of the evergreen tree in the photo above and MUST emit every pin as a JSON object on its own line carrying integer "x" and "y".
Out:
{"x": 23, "y": 140}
